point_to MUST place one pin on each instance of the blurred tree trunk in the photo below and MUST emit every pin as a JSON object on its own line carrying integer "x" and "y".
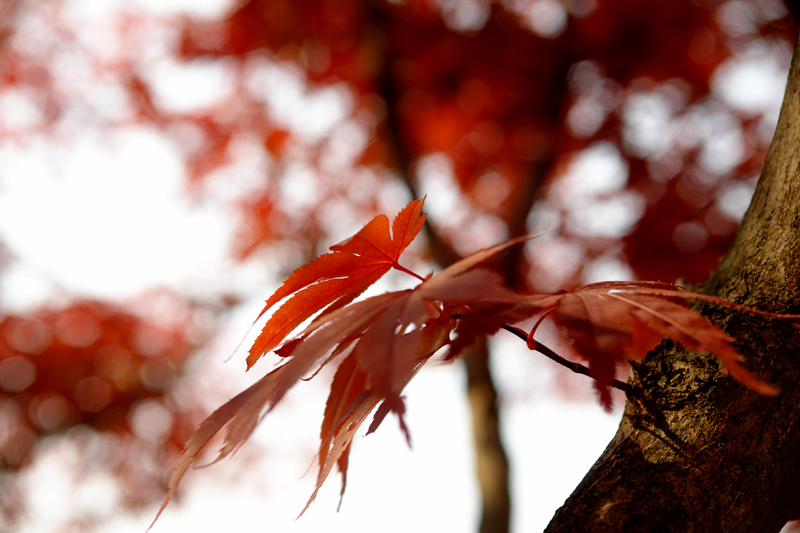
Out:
{"x": 491, "y": 460}
{"x": 696, "y": 451}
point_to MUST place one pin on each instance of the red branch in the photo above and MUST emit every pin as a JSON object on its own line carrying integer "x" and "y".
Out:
{"x": 575, "y": 367}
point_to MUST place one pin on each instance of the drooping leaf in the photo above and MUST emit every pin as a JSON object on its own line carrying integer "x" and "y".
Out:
{"x": 208, "y": 429}
{"x": 347, "y": 386}
{"x": 382, "y": 342}
{"x": 611, "y": 321}
{"x": 410, "y": 326}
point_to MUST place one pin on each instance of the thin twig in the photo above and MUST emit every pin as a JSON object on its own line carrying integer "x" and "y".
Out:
{"x": 575, "y": 367}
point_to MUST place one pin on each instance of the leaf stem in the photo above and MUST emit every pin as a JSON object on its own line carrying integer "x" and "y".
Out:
{"x": 575, "y": 367}
{"x": 401, "y": 268}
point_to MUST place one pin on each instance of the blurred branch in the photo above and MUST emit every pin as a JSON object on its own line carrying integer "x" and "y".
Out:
{"x": 490, "y": 456}
{"x": 491, "y": 459}
{"x": 9, "y": 13}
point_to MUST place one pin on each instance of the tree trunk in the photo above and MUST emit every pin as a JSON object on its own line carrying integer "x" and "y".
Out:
{"x": 491, "y": 459}
{"x": 696, "y": 451}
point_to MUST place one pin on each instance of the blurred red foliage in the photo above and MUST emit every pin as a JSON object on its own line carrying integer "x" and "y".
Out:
{"x": 511, "y": 94}
{"x": 494, "y": 97}
{"x": 93, "y": 365}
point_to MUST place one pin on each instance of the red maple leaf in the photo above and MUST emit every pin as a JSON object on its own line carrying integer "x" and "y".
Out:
{"x": 386, "y": 339}
{"x": 381, "y": 342}
{"x": 612, "y": 321}
{"x": 336, "y": 279}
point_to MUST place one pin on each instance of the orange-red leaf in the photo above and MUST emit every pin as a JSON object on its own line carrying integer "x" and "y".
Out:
{"x": 239, "y": 407}
{"x": 608, "y": 322}
{"x": 382, "y": 341}
{"x": 347, "y": 385}
{"x": 335, "y": 279}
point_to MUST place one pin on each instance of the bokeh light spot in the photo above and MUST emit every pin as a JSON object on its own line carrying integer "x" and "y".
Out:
{"x": 51, "y": 412}
{"x": 151, "y": 341}
{"x": 77, "y": 329}
{"x": 28, "y": 336}
{"x": 92, "y": 394}
{"x": 17, "y": 373}
{"x": 151, "y": 420}
{"x": 157, "y": 373}
{"x": 16, "y": 445}
{"x": 112, "y": 362}
{"x": 690, "y": 237}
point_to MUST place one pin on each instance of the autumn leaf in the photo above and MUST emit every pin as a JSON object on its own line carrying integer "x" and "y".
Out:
{"x": 337, "y": 278}
{"x": 381, "y": 342}
{"x": 405, "y": 328}
{"x": 613, "y": 321}
{"x": 347, "y": 387}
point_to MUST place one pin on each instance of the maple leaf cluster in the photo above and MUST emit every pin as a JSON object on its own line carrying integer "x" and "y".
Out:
{"x": 382, "y": 341}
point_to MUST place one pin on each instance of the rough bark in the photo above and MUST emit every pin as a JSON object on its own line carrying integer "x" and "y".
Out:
{"x": 696, "y": 451}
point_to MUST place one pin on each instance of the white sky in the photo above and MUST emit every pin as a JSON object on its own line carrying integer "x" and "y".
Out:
{"x": 106, "y": 218}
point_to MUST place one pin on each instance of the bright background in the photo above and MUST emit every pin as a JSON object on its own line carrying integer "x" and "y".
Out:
{"x": 105, "y": 213}
{"x": 60, "y": 201}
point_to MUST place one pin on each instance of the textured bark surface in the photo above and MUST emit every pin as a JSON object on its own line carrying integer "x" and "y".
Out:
{"x": 696, "y": 451}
